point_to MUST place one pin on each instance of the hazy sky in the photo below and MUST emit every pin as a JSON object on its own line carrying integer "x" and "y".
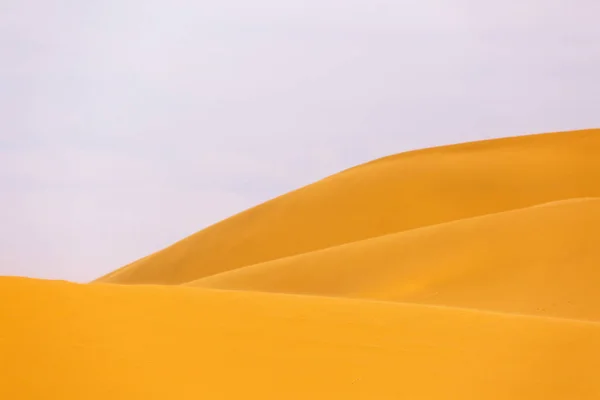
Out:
{"x": 127, "y": 125}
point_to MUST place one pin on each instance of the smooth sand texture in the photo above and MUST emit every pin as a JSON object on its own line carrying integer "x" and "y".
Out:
{"x": 390, "y": 195}
{"x": 542, "y": 260}
{"x": 460, "y": 272}
{"x": 68, "y": 341}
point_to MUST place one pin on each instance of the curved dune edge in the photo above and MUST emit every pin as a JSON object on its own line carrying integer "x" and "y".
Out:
{"x": 540, "y": 260}
{"x": 394, "y": 194}
{"x": 157, "y": 342}
{"x": 467, "y": 271}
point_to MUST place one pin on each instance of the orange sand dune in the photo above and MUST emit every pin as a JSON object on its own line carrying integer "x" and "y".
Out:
{"x": 390, "y": 195}
{"x": 68, "y": 341}
{"x": 459, "y": 272}
{"x": 542, "y": 260}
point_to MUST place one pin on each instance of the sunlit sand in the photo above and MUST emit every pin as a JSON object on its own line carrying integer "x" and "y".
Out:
{"x": 460, "y": 272}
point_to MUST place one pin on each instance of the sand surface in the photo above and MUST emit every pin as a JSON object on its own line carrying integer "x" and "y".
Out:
{"x": 460, "y": 272}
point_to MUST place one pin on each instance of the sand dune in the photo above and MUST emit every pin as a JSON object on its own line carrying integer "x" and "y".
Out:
{"x": 459, "y": 272}
{"x": 70, "y": 341}
{"x": 540, "y": 260}
{"x": 390, "y": 195}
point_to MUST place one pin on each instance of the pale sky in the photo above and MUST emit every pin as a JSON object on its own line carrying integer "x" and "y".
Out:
{"x": 126, "y": 125}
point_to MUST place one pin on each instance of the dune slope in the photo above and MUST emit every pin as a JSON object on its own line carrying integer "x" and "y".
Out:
{"x": 459, "y": 272}
{"x": 69, "y": 341}
{"x": 541, "y": 260}
{"x": 394, "y": 194}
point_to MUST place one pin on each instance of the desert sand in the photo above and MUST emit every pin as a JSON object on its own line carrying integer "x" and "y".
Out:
{"x": 458, "y": 272}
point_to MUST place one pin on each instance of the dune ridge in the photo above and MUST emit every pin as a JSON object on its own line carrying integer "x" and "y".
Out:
{"x": 550, "y": 269}
{"x": 467, "y": 271}
{"x": 389, "y": 195}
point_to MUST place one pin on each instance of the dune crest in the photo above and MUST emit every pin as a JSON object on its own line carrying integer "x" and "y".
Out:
{"x": 394, "y": 194}
{"x": 459, "y": 272}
